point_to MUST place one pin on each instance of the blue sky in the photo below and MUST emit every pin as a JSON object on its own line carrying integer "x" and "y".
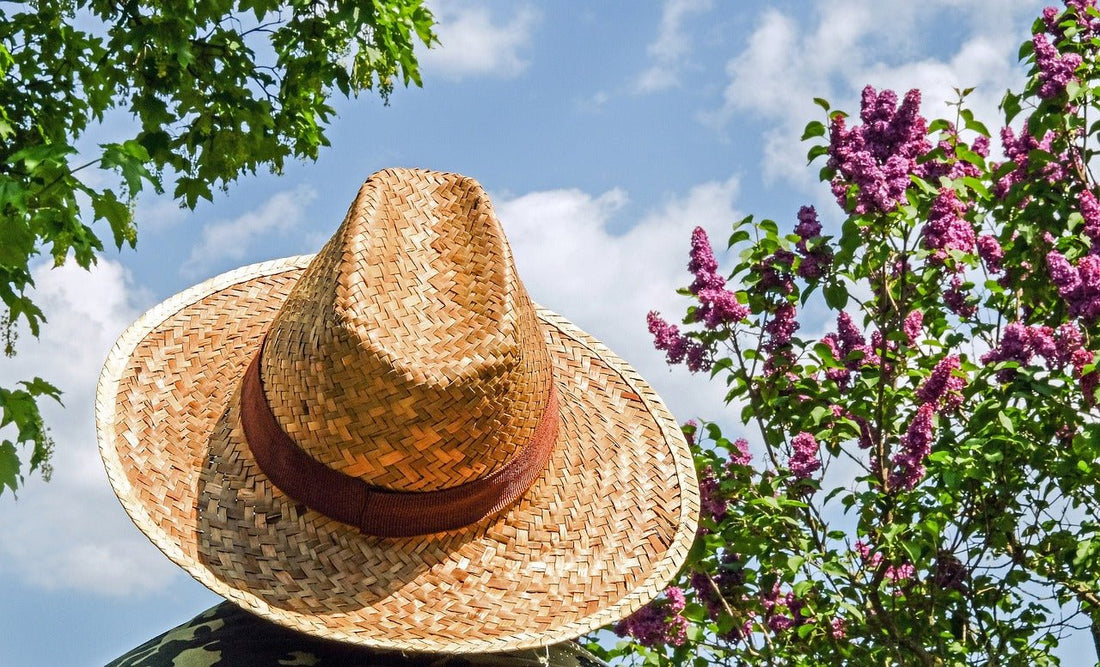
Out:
{"x": 603, "y": 133}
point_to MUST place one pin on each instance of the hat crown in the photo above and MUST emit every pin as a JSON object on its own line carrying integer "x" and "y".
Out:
{"x": 409, "y": 355}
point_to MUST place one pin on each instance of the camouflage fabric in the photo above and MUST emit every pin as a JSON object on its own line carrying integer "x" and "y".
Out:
{"x": 227, "y": 635}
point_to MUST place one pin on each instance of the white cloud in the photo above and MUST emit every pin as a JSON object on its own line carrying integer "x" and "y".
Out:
{"x": 606, "y": 283}
{"x": 157, "y": 213}
{"x": 671, "y": 47}
{"x": 475, "y": 43}
{"x": 71, "y": 533}
{"x": 844, "y": 46}
{"x": 230, "y": 239}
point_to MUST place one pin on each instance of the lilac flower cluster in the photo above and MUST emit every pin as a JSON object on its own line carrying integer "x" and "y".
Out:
{"x": 1055, "y": 70}
{"x": 815, "y": 261}
{"x": 954, "y": 297}
{"x": 659, "y": 623}
{"x": 950, "y": 573}
{"x": 950, "y": 166}
{"x": 1058, "y": 347}
{"x": 775, "y": 600}
{"x": 943, "y": 386}
{"x": 711, "y": 502}
{"x": 915, "y": 446}
{"x": 947, "y": 228}
{"x": 677, "y": 347}
{"x": 775, "y": 272}
{"x": 1086, "y": 23}
{"x": 1090, "y": 211}
{"x": 804, "y": 459}
{"x": 912, "y": 327}
{"x": 739, "y": 453}
{"x": 780, "y": 328}
{"x": 1017, "y": 149}
{"x": 879, "y": 156}
{"x": 989, "y": 249}
{"x": 1079, "y": 286}
{"x": 842, "y": 344}
{"x": 895, "y": 573}
{"x": 729, "y": 582}
{"x": 718, "y": 305}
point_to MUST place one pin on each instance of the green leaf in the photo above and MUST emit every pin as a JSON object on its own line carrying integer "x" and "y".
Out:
{"x": 836, "y": 295}
{"x": 39, "y": 387}
{"x": 814, "y": 128}
{"x": 816, "y": 152}
{"x": 9, "y": 467}
{"x": 795, "y": 562}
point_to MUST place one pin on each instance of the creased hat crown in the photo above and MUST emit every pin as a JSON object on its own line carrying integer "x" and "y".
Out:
{"x": 408, "y": 355}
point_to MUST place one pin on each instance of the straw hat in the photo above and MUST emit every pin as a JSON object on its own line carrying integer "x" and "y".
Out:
{"x": 389, "y": 443}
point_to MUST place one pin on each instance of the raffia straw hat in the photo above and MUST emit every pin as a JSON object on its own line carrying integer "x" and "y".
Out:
{"x": 388, "y": 443}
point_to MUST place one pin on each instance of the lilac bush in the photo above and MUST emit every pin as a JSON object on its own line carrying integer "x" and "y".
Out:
{"x": 930, "y": 472}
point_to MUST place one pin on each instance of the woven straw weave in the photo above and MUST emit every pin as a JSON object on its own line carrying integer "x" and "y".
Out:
{"x": 409, "y": 355}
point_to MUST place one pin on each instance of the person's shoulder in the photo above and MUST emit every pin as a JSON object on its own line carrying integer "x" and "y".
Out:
{"x": 227, "y": 635}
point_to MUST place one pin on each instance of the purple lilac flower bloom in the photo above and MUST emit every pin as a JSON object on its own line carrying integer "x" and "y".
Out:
{"x": 912, "y": 327}
{"x": 915, "y": 446}
{"x": 866, "y": 436}
{"x": 1088, "y": 381}
{"x": 804, "y": 460}
{"x": 1079, "y": 286}
{"x": 989, "y": 249}
{"x": 667, "y": 337}
{"x": 719, "y": 306}
{"x": 1088, "y": 23}
{"x": 1055, "y": 70}
{"x": 781, "y": 327}
{"x": 1017, "y": 149}
{"x": 866, "y": 554}
{"x": 841, "y": 375}
{"x": 739, "y": 453}
{"x": 849, "y": 339}
{"x": 947, "y": 228}
{"x": 808, "y": 226}
{"x": 1090, "y": 211}
{"x": 703, "y": 264}
{"x": 677, "y": 348}
{"x": 815, "y": 264}
{"x": 878, "y": 156}
{"x": 1043, "y": 343}
{"x": 1062, "y": 273}
{"x": 950, "y": 166}
{"x": 956, "y": 301}
{"x": 1015, "y": 345}
{"x": 943, "y": 385}
{"x": 774, "y": 272}
{"x": 711, "y": 502}
{"x": 659, "y": 623}
{"x": 780, "y": 622}
{"x": 1067, "y": 341}
{"x": 838, "y": 628}
{"x": 816, "y": 261}
{"x": 950, "y": 572}
{"x": 706, "y": 594}
{"x": 898, "y": 573}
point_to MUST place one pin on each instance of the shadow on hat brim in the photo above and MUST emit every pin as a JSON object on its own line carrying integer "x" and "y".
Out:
{"x": 598, "y": 535}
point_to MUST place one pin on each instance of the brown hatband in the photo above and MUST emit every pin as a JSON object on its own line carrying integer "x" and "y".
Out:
{"x": 379, "y": 511}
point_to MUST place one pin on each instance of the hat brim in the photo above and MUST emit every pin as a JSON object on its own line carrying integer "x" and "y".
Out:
{"x": 598, "y": 535}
